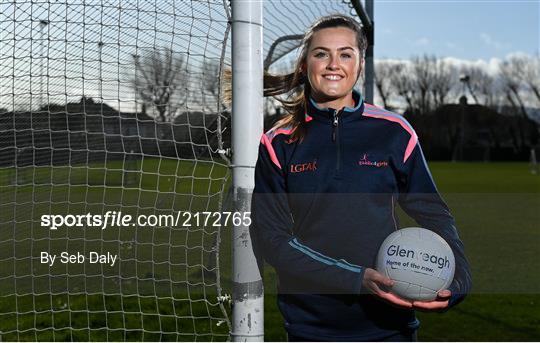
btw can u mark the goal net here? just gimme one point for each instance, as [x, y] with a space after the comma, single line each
[110, 109]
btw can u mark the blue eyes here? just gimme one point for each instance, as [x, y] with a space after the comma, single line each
[324, 54]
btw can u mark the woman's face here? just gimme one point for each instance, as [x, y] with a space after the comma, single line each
[333, 63]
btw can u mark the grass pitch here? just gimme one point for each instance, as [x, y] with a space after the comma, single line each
[165, 286]
[496, 206]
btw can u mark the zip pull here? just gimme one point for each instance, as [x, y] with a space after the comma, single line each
[335, 125]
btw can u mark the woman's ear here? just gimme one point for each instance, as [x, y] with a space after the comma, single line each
[361, 67]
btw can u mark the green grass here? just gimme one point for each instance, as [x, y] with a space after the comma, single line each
[163, 288]
[157, 291]
[496, 206]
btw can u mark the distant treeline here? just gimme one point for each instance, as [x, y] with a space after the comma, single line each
[463, 132]
[500, 129]
[474, 133]
[87, 131]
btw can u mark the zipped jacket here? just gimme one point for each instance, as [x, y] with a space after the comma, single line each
[322, 207]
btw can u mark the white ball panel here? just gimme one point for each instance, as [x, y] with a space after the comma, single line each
[420, 262]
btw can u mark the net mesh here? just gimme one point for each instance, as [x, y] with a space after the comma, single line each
[286, 21]
[113, 107]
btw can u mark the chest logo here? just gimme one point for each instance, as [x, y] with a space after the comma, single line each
[365, 161]
[304, 167]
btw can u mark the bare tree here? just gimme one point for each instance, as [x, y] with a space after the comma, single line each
[212, 101]
[443, 80]
[481, 85]
[415, 83]
[531, 73]
[512, 73]
[424, 70]
[209, 80]
[383, 70]
[402, 83]
[210, 83]
[159, 75]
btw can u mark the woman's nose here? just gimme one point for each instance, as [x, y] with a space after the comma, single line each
[332, 63]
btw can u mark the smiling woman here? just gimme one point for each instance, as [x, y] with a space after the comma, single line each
[327, 180]
[331, 61]
[333, 65]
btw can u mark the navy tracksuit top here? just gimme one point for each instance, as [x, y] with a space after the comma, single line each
[322, 207]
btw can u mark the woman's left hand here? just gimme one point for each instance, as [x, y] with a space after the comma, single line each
[439, 303]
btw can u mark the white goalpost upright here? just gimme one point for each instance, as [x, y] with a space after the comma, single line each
[366, 17]
[247, 126]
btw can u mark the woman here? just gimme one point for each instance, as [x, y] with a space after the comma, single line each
[327, 180]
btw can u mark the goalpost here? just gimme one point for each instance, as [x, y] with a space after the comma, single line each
[248, 66]
[247, 69]
[115, 109]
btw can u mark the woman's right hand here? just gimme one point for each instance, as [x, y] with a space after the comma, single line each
[377, 283]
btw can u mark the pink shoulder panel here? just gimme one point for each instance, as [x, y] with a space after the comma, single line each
[268, 137]
[379, 113]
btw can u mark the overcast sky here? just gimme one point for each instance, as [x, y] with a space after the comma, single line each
[462, 29]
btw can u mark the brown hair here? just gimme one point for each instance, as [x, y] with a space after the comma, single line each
[297, 83]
